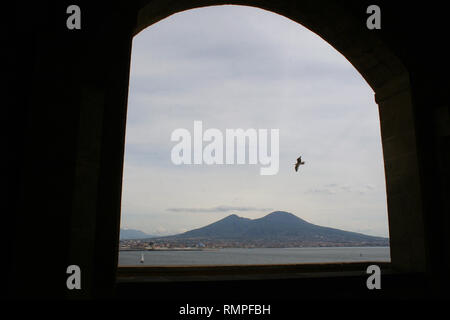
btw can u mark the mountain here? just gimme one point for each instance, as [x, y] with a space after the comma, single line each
[128, 234]
[276, 228]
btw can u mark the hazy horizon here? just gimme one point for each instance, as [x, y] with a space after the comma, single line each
[231, 214]
[242, 67]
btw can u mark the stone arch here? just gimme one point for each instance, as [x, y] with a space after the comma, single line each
[386, 75]
[348, 35]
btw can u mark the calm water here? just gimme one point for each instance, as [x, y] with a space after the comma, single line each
[233, 256]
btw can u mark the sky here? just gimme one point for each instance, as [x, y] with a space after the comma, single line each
[240, 67]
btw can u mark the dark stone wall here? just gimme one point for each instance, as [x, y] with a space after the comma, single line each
[66, 93]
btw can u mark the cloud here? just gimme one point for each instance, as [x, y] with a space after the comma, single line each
[334, 188]
[321, 191]
[222, 208]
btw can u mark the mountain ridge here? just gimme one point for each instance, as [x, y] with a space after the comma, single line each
[278, 227]
[130, 234]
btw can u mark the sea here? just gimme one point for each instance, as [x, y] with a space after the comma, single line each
[246, 256]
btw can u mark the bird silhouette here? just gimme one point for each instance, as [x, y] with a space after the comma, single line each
[299, 162]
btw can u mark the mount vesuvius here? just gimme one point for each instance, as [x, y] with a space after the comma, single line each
[277, 229]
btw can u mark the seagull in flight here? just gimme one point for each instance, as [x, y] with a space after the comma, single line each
[299, 162]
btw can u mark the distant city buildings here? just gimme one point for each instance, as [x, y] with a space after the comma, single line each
[174, 244]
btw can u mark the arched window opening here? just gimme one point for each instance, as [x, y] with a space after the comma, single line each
[189, 198]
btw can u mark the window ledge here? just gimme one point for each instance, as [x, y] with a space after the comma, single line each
[245, 272]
